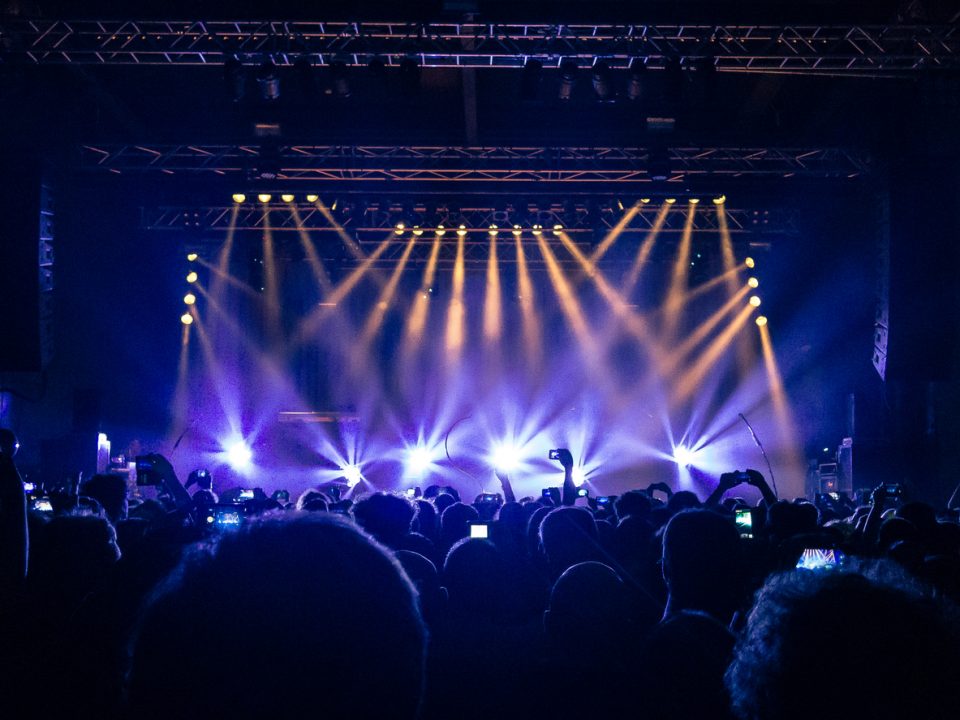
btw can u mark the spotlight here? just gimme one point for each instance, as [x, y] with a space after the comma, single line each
[239, 198]
[579, 476]
[311, 198]
[753, 282]
[517, 230]
[192, 277]
[557, 229]
[493, 229]
[645, 201]
[755, 300]
[398, 228]
[287, 198]
[505, 456]
[441, 230]
[239, 455]
[186, 319]
[683, 457]
[568, 78]
[749, 262]
[602, 81]
[719, 199]
[694, 201]
[636, 81]
[352, 474]
[191, 257]
[419, 460]
[671, 201]
[462, 230]
[268, 80]
[761, 320]
[190, 299]
[417, 230]
[264, 197]
[538, 229]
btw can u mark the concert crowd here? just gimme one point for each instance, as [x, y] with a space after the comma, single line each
[349, 602]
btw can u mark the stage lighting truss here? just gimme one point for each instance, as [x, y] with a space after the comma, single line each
[887, 50]
[360, 165]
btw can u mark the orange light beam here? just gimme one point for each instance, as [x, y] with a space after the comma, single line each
[346, 238]
[222, 277]
[320, 273]
[745, 352]
[528, 311]
[673, 306]
[417, 319]
[456, 313]
[690, 381]
[375, 319]
[613, 234]
[492, 300]
[271, 280]
[222, 268]
[678, 353]
[643, 252]
[781, 405]
[181, 392]
[226, 395]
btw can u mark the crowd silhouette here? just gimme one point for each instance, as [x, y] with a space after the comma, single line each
[342, 603]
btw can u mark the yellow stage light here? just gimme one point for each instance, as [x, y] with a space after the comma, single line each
[191, 257]
[186, 318]
[287, 197]
[694, 201]
[755, 300]
[239, 197]
[441, 230]
[191, 277]
[462, 230]
[264, 197]
[761, 320]
[645, 201]
[719, 199]
[493, 230]
[417, 230]
[753, 282]
[671, 201]
[517, 230]
[398, 228]
[557, 229]
[312, 198]
[749, 262]
[537, 229]
[190, 298]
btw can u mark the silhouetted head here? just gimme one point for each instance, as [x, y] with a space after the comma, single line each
[787, 519]
[386, 517]
[901, 654]
[701, 563]
[682, 500]
[282, 604]
[474, 576]
[455, 523]
[442, 502]
[426, 522]
[8, 442]
[111, 492]
[423, 574]
[569, 536]
[72, 555]
[633, 503]
[312, 499]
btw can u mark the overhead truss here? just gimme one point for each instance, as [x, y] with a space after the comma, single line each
[403, 164]
[849, 49]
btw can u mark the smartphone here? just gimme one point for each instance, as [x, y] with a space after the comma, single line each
[893, 490]
[582, 492]
[411, 492]
[554, 455]
[744, 519]
[603, 500]
[834, 495]
[246, 494]
[42, 505]
[820, 559]
[147, 472]
[480, 530]
[225, 516]
[29, 487]
[742, 476]
[489, 498]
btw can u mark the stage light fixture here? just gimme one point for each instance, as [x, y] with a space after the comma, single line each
[264, 197]
[462, 230]
[191, 257]
[493, 229]
[339, 80]
[417, 230]
[311, 198]
[352, 474]
[239, 455]
[670, 201]
[557, 229]
[568, 78]
[287, 198]
[190, 299]
[753, 282]
[239, 198]
[645, 201]
[186, 318]
[517, 230]
[441, 230]
[694, 201]
[538, 229]
[636, 80]
[761, 320]
[683, 456]
[399, 228]
[268, 80]
[505, 456]
[719, 199]
[749, 262]
[419, 460]
[602, 81]
[192, 277]
[755, 300]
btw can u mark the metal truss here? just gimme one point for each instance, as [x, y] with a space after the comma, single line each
[374, 224]
[402, 164]
[860, 50]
